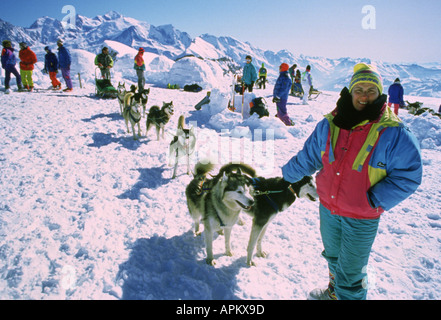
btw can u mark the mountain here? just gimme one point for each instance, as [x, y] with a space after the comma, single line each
[91, 34]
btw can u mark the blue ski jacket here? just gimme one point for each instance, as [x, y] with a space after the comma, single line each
[396, 93]
[282, 86]
[363, 171]
[249, 73]
[64, 59]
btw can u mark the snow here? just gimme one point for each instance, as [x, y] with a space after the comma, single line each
[86, 212]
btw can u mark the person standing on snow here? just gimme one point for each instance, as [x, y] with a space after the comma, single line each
[292, 74]
[262, 76]
[140, 68]
[306, 83]
[51, 67]
[249, 75]
[396, 93]
[369, 162]
[105, 62]
[281, 92]
[27, 60]
[8, 63]
[64, 62]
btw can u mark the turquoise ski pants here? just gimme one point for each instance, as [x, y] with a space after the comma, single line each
[347, 244]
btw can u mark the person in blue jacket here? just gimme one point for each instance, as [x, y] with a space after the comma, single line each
[64, 62]
[281, 92]
[396, 93]
[8, 63]
[249, 75]
[368, 162]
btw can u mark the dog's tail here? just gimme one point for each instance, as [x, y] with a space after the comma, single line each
[181, 122]
[128, 98]
[202, 168]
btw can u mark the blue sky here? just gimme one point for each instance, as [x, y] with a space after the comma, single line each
[405, 30]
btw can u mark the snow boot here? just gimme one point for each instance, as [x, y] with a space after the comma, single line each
[7, 91]
[322, 294]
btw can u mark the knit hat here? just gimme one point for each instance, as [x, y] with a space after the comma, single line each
[141, 50]
[364, 73]
[284, 67]
[6, 43]
[47, 48]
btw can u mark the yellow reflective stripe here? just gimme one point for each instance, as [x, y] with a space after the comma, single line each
[376, 175]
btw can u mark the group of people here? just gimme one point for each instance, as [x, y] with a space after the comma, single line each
[285, 84]
[291, 80]
[28, 58]
[105, 62]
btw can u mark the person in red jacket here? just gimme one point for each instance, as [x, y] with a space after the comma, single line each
[27, 60]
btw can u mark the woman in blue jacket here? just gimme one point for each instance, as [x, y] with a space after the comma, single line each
[368, 162]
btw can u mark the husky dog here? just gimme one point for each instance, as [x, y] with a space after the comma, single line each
[273, 195]
[159, 118]
[131, 114]
[218, 201]
[141, 97]
[121, 94]
[182, 145]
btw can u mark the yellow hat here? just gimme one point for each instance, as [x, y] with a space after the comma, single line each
[364, 73]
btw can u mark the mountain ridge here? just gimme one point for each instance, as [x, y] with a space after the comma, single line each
[90, 34]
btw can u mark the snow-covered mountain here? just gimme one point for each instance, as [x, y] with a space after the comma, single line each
[211, 53]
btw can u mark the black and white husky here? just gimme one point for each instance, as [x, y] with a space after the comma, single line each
[131, 114]
[273, 195]
[218, 201]
[159, 117]
[182, 145]
[121, 93]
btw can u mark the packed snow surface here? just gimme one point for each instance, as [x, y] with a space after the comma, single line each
[86, 212]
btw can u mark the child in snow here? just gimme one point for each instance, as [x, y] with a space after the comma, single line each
[27, 61]
[140, 68]
[369, 162]
[281, 92]
[51, 67]
[64, 62]
[8, 63]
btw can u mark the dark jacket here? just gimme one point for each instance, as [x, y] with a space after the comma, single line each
[50, 62]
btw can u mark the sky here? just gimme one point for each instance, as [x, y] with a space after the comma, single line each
[387, 30]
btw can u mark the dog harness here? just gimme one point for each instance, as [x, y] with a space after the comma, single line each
[268, 198]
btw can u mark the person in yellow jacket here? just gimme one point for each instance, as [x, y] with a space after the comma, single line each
[262, 76]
